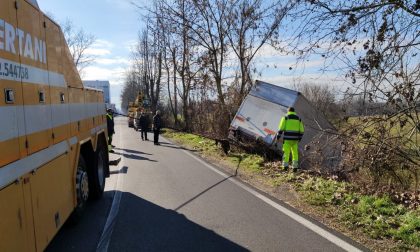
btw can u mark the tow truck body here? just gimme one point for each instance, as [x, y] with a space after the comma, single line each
[52, 130]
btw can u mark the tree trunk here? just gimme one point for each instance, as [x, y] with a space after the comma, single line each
[175, 90]
[169, 95]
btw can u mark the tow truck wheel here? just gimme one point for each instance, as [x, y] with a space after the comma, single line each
[82, 190]
[98, 173]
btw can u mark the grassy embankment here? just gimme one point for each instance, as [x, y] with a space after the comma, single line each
[375, 216]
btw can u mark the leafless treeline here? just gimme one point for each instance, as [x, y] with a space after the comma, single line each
[195, 60]
[201, 54]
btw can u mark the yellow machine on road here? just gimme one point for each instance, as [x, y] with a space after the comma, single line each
[141, 104]
[131, 114]
[53, 151]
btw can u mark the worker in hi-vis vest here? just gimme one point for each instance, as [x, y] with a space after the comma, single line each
[291, 127]
[110, 126]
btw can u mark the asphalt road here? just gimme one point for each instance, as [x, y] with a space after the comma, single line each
[163, 198]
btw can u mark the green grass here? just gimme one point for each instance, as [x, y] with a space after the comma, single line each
[380, 218]
[377, 216]
[207, 147]
[322, 192]
[392, 125]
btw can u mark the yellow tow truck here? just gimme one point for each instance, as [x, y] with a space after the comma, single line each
[53, 137]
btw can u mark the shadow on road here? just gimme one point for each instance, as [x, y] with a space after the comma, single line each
[85, 234]
[211, 187]
[132, 151]
[169, 145]
[144, 226]
[201, 193]
[140, 226]
[123, 170]
[165, 143]
[135, 157]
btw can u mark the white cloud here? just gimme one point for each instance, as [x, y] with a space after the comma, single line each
[114, 75]
[267, 51]
[112, 61]
[322, 79]
[98, 52]
[100, 48]
[130, 44]
[108, 65]
[101, 43]
[286, 62]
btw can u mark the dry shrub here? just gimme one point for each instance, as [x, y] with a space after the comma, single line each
[371, 153]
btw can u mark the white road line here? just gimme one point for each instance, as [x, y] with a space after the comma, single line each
[307, 223]
[105, 239]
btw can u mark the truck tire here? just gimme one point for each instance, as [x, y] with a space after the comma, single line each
[82, 190]
[98, 172]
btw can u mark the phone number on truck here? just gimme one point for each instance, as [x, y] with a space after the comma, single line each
[14, 71]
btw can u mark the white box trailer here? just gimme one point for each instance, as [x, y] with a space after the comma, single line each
[260, 113]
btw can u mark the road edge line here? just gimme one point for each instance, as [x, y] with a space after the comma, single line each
[105, 239]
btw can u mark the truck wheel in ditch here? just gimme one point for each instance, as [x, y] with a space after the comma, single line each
[98, 173]
[82, 190]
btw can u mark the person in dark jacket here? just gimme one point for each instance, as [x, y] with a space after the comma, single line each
[110, 126]
[143, 122]
[157, 124]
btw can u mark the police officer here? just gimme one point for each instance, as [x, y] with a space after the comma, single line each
[291, 127]
[144, 124]
[110, 126]
[157, 124]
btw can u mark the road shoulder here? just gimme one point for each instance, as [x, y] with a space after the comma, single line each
[284, 201]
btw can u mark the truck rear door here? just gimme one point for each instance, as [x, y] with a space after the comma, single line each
[58, 89]
[36, 90]
[258, 118]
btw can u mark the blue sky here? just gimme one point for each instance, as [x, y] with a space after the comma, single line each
[115, 24]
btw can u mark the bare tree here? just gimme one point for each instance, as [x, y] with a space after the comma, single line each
[375, 44]
[79, 41]
[148, 59]
[132, 86]
[253, 23]
[180, 50]
[207, 29]
[199, 35]
[323, 97]
[170, 67]
[181, 57]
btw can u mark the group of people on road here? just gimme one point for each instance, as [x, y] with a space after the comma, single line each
[143, 123]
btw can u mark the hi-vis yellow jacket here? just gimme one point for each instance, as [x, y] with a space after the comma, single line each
[291, 126]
